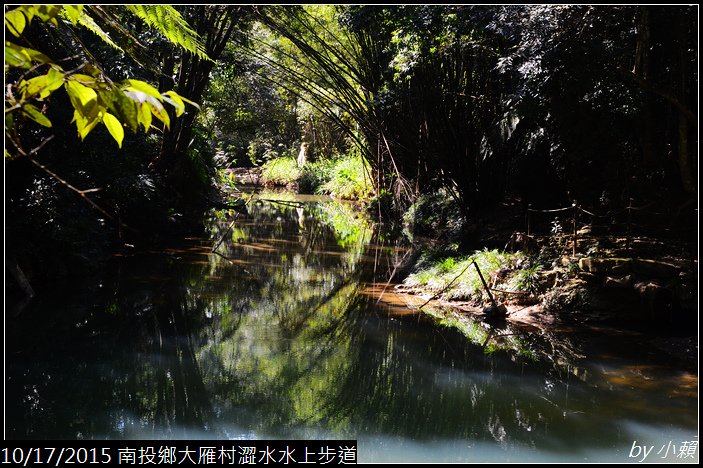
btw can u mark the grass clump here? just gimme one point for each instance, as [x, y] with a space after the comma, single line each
[348, 179]
[526, 279]
[435, 274]
[345, 177]
[280, 171]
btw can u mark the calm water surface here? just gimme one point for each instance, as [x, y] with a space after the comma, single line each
[275, 336]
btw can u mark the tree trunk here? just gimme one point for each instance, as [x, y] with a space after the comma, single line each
[641, 69]
[688, 180]
[215, 25]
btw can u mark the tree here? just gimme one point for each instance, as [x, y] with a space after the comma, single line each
[94, 96]
[215, 24]
[53, 74]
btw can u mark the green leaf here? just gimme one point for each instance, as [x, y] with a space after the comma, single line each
[15, 21]
[55, 74]
[73, 13]
[171, 24]
[84, 124]
[114, 127]
[36, 115]
[29, 11]
[23, 57]
[42, 85]
[48, 12]
[192, 103]
[157, 109]
[160, 113]
[83, 79]
[29, 88]
[137, 85]
[123, 107]
[177, 103]
[85, 20]
[145, 116]
[87, 110]
[81, 96]
[15, 58]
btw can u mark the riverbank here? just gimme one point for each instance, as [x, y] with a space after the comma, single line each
[645, 284]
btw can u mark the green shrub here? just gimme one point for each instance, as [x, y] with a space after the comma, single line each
[527, 279]
[314, 175]
[280, 171]
[348, 179]
[432, 213]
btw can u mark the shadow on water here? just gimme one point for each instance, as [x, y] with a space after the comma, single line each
[272, 336]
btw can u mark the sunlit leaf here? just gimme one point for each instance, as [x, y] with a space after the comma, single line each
[145, 116]
[15, 58]
[171, 24]
[73, 12]
[137, 85]
[48, 12]
[114, 127]
[192, 103]
[123, 108]
[29, 88]
[85, 20]
[83, 79]
[160, 113]
[36, 115]
[15, 21]
[80, 95]
[84, 124]
[54, 80]
[179, 106]
[23, 57]
[42, 85]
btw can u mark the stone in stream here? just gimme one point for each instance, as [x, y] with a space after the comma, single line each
[492, 312]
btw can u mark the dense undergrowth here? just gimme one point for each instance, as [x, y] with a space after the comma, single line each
[344, 177]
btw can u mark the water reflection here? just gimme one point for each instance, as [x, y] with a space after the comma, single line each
[273, 336]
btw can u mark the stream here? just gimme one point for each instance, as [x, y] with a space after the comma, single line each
[277, 336]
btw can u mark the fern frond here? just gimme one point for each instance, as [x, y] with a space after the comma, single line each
[171, 24]
[85, 20]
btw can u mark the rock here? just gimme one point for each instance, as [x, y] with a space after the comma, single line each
[654, 268]
[550, 277]
[654, 297]
[622, 266]
[606, 265]
[621, 282]
[495, 313]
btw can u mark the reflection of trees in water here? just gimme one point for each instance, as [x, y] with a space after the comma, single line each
[393, 385]
[288, 339]
[329, 361]
[272, 337]
[120, 361]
